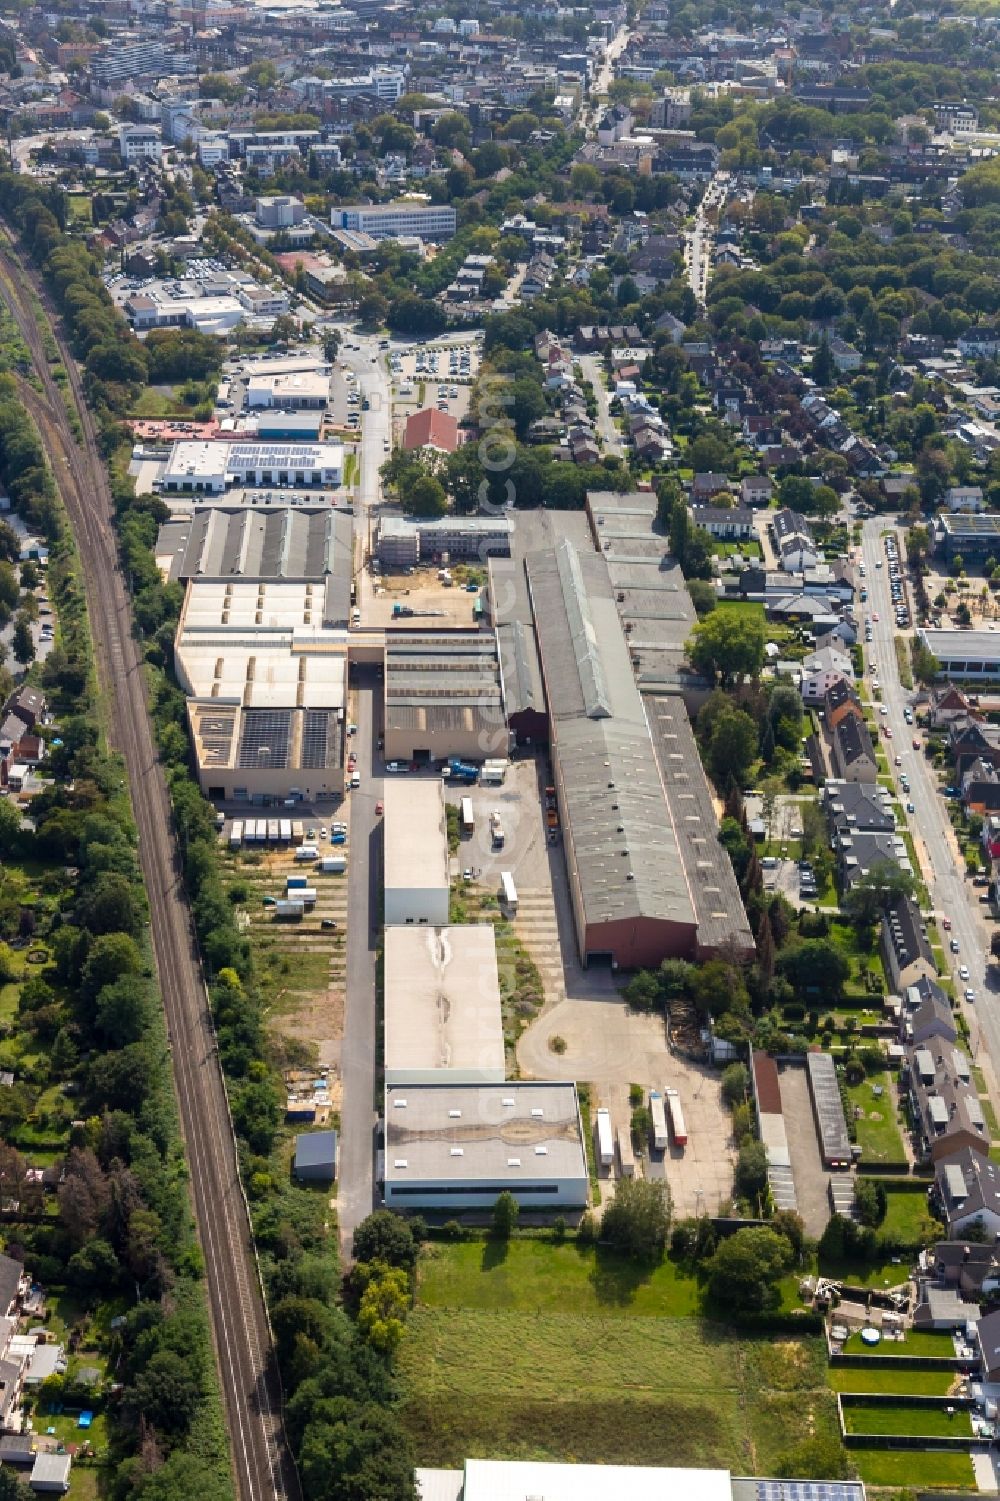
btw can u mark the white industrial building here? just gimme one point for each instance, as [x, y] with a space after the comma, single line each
[289, 392]
[443, 1022]
[391, 221]
[416, 852]
[514, 1479]
[209, 468]
[459, 1146]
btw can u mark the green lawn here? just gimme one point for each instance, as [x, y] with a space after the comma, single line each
[846, 939]
[930, 1468]
[852, 1378]
[544, 1350]
[153, 403]
[901, 1418]
[537, 1276]
[748, 607]
[79, 208]
[605, 1389]
[875, 1120]
[908, 1217]
[917, 1342]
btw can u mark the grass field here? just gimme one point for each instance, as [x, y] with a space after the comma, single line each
[548, 1351]
[618, 1390]
[927, 1422]
[877, 1131]
[534, 1276]
[852, 1378]
[894, 1467]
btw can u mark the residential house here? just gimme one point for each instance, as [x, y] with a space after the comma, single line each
[967, 1190]
[13, 1285]
[756, 489]
[968, 741]
[980, 788]
[794, 541]
[971, 1267]
[853, 755]
[905, 947]
[704, 486]
[845, 357]
[991, 836]
[945, 1108]
[942, 1309]
[725, 523]
[964, 498]
[842, 702]
[817, 682]
[926, 1018]
[988, 1340]
[947, 704]
[860, 853]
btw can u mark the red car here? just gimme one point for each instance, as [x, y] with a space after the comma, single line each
[379, 808]
[916, 743]
[946, 923]
[887, 731]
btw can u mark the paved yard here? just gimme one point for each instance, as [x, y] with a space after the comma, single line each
[811, 1177]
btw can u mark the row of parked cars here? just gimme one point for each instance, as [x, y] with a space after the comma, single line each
[897, 588]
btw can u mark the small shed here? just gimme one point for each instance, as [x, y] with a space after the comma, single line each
[50, 1472]
[17, 1449]
[316, 1157]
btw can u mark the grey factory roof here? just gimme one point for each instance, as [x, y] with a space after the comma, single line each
[620, 835]
[442, 1002]
[445, 681]
[251, 543]
[719, 907]
[482, 1132]
[520, 669]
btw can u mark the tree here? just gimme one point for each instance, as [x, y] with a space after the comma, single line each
[425, 496]
[744, 1270]
[874, 892]
[751, 1172]
[11, 835]
[814, 966]
[870, 1202]
[637, 1221]
[22, 642]
[735, 1084]
[355, 1452]
[387, 1237]
[823, 369]
[727, 645]
[505, 1213]
[733, 746]
[703, 596]
[167, 1393]
[709, 454]
[383, 1306]
[995, 943]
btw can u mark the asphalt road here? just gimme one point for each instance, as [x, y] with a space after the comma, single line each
[240, 1327]
[700, 239]
[355, 1169]
[952, 893]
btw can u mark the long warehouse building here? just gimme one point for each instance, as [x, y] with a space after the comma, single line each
[631, 896]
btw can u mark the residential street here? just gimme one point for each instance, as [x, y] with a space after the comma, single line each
[593, 370]
[952, 894]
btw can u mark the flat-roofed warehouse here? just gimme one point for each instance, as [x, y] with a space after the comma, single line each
[442, 1006]
[265, 674]
[459, 1147]
[442, 697]
[415, 835]
[210, 467]
[631, 897]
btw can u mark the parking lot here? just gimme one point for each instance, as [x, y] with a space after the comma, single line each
[598, 1041]
[437, 374]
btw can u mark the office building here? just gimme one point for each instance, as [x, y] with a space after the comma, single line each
[390, 221]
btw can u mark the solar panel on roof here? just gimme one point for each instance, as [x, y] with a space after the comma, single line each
[264, 738]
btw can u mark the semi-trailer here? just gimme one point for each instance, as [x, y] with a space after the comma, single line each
[605, 1140]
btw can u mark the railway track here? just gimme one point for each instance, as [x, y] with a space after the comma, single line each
[244, 1350]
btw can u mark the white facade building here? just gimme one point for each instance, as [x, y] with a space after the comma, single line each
[416, 853]
[390, 221]
[459, 1146]
[209, 468]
